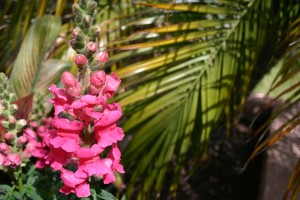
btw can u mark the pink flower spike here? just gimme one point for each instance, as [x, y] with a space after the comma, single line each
[81, 60]
[102, 56]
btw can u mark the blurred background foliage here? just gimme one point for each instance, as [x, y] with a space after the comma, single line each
[186, 66]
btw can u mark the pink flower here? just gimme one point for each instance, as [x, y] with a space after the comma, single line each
[84, 108]
[56, 158]
[71, 84]
[112, 84]
[111, 114]
[61, 101]
[113, 161]
[108, 136]
[67, 134]
[102, 56]
[90, 162]
[73, 184]
[12, 160]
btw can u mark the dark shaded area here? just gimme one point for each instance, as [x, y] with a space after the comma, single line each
[221, 175]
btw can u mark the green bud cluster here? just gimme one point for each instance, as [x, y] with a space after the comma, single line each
[38, 110]
[7, 108]
[85, 32]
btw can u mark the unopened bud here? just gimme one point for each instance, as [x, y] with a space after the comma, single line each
[13, 108]
[83, 3]
[78, 34]
[5, 124]
[98, 78]
[80, 60]
[9, 136]
[77, 10]
[87, 21]
[4, 148]
[92, 47]
[68, 79]
[22, 139]
[102, 56]
[72, 44]
[94, 31]
[91, 6]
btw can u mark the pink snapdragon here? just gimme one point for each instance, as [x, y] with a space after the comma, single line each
[89, 129]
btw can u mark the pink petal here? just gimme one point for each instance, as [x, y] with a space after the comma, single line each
[69, 179]
[88, 152]
[70, 145]
[83, 190]
[108, 178]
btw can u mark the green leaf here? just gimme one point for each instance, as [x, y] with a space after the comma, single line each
[27, 75]
[106, 195]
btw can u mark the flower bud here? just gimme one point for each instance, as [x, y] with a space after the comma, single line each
[92, 47]
[5, 124]
[72, 41]
[94, 31]
[77, 10]
[9, 136]
[13, 108]
[78, 44]
[102, 56]
[4, 148]
[83, 3]
[78, 34]
[91, 6]
[71, 84]
[68, 79]
[87, 21]
[81, 60]
[98, 78]
[22, 139]
[78, 20]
